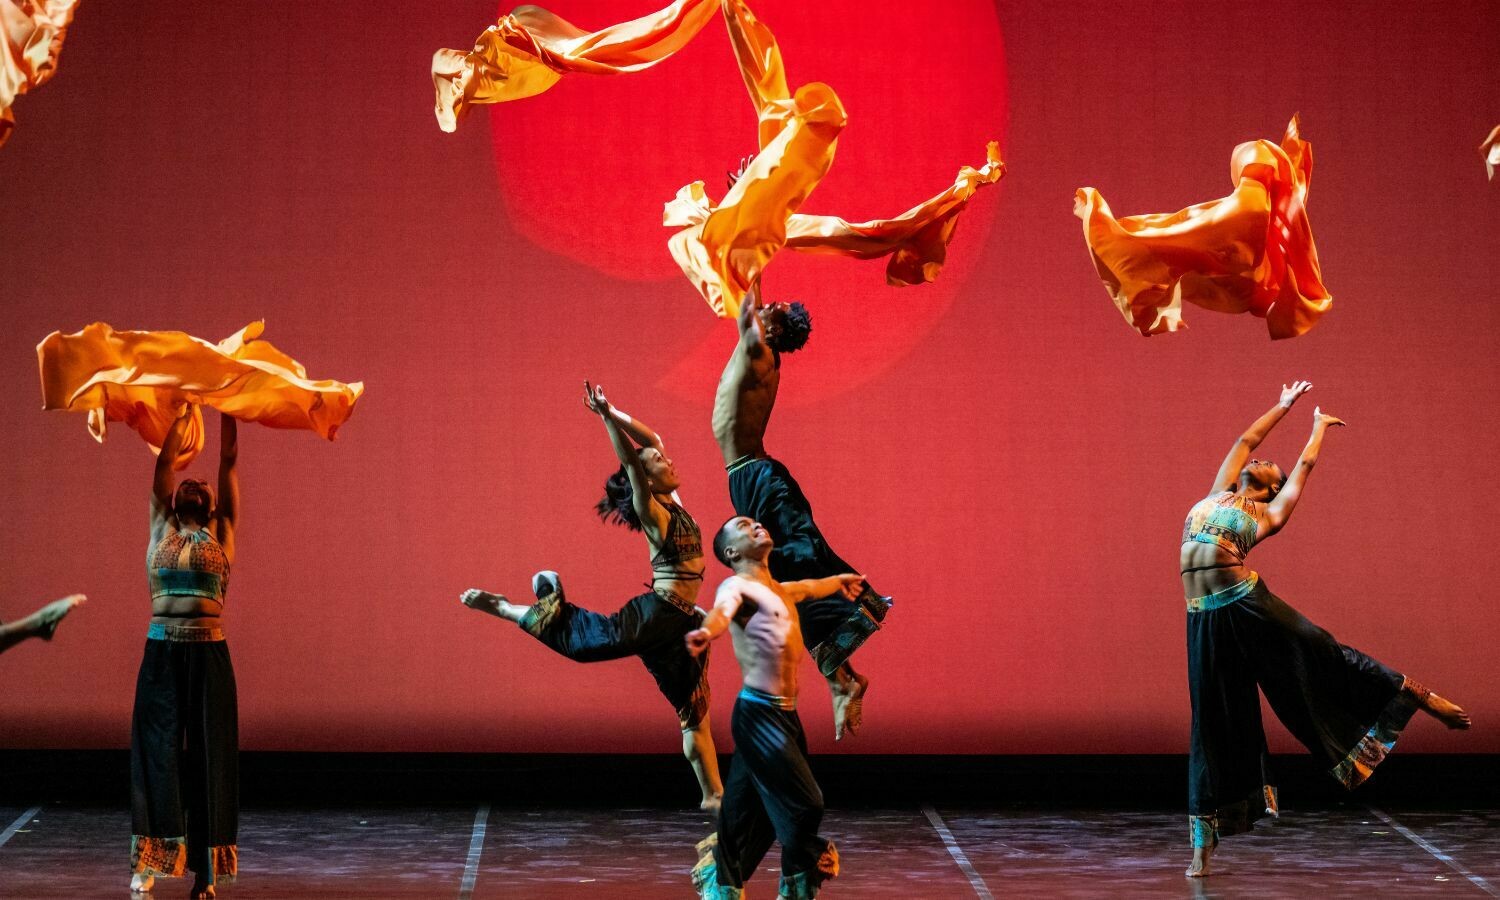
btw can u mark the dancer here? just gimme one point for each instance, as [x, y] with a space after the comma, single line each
[1345, 707]
[642, 496]
[762, 489]
[771, 793]
[40, 624]
[184, 735]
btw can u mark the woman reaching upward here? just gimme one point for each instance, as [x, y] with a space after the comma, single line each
[1345, 707]
[642, 496]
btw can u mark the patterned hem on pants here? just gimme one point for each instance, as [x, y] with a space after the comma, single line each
[167, 857]
[1360, 762]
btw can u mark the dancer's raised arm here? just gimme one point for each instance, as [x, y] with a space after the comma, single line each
[621, 435]
[752, 329]
[1245, 444]
[848, 584]
[1280, 509]
[163, 482]
[229, 484]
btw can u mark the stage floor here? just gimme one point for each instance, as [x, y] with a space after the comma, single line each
[67, 850]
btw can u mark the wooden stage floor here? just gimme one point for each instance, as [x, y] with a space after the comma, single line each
[459, 851]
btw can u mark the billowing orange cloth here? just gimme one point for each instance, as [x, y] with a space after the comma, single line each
[1490, 150]
[722, 250]
[1249, 252]
[32, 31]
[142, 378]
[528, 51]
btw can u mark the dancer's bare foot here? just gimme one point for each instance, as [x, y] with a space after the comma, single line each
[1199, 868]
[141, 883]
[849, 689]
[494, 604]
[202, 891]
[1446, 711]
[712, 803]
[43, 623]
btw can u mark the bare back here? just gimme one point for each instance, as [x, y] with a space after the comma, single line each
[767, 636]
[743, 402]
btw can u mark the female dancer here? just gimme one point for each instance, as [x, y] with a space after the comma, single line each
[1345, 707]
[642, 496]
[184, 735]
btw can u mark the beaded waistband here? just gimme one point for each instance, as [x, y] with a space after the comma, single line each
[1234, 592]
[754, 696]
[183, 634]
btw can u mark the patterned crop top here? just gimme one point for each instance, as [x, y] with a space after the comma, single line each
[1225, 519]
[188, 565]
[682, 543]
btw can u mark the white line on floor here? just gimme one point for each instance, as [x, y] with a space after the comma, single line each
[957, 853]
[16, 825]
[1452, 863]
[476, 848]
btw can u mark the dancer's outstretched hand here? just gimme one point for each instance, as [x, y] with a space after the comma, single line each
[697, 641]
[851, 586]
[1322, 418]
[1289, 395]
[733, 178]
[594, 399]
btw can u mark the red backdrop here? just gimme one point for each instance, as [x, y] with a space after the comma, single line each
[998, 450]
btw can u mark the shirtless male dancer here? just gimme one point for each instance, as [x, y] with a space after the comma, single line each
[764, 491]
[771, 794]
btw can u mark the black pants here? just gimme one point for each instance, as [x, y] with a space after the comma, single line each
[184, 761]
[771, 795]
[1344, 706]
[832, 627]
[648, 626]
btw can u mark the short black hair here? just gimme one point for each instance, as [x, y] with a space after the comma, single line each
[618, 505]
[796, 325]
[721, 542]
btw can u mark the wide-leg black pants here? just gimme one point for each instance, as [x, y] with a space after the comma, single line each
[648, 626]
[1345, 707]
[832, 627]
[771, 796]
[184, 761]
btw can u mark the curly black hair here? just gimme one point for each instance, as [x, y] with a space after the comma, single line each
[618, 506]
[796, 325]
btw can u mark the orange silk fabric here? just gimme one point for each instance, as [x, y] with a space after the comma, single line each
[722, 250]
[528, 51]
[1249, 252]
[1490, 150]
[142, 378]
[33, 32]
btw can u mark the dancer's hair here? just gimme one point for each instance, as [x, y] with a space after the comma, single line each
[721, 542]
[796, 325]
[617, 507]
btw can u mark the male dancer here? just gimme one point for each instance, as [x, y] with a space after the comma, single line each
[763, 490]
[771, 794]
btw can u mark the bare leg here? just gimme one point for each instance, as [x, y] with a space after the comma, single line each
[848, 688]
[1445, 711]
[494, 604]
[40, 624]
[1199, 868]
[698, 747]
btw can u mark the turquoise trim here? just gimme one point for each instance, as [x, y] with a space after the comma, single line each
[1225, 597]
[751, 695]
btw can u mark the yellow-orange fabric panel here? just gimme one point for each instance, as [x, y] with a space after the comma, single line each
[1251, 251]
[723, 249]
[33, 32]
[142, 378]
[528, 51]
[1490, 150]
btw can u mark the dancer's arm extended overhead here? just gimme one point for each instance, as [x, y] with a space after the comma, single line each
[229, 484]
[1245, 444]
[163, 481]
[1280, 509]
[625, 433]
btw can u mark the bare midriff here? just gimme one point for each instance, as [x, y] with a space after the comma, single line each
[174, 609]
[1216, 569]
